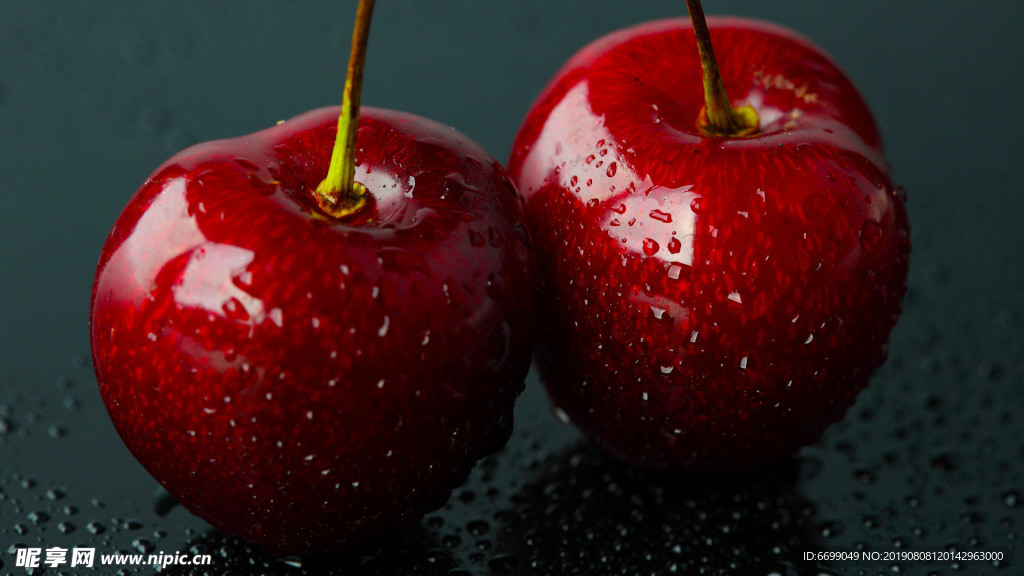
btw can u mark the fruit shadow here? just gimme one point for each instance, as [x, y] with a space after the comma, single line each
[412, 551]
[589, 514]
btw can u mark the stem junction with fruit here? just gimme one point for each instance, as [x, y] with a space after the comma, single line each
[339, 195]
[718, 117]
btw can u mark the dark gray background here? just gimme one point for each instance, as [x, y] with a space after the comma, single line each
[94, 95]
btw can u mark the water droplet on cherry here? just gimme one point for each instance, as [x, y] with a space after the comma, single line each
[870, 236]
[476, 239]
[661, 216]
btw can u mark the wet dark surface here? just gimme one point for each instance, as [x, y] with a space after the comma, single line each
[93, 97]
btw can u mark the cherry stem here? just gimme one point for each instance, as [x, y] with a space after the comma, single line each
[339, 195]
[718, 116]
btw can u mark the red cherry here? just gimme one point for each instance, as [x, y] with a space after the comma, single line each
[710, 299]
[304, 381]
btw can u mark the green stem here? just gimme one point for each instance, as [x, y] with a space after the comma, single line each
[718, 116]
[339, 195]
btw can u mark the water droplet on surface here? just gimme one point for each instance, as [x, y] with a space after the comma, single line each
[495, 286]
[870, 236]
[650, 247]
[38, 517]
[865, 476]
[494, 236]
[831, 529]
[816, 207]
[477, 527]
[502, 563]
[476, 238]
[661, 216]
[142, 545]
[945, 462]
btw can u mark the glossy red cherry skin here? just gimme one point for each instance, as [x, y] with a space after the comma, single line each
[303, 383]
[708, 302]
